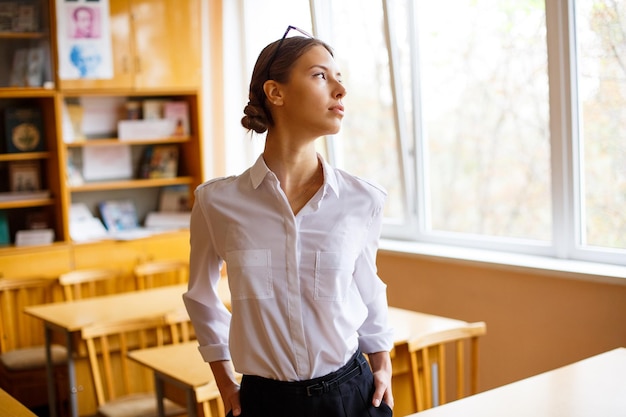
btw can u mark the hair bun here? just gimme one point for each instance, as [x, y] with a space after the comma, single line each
[255, 118]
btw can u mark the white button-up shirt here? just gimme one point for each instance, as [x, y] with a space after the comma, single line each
[305, 292]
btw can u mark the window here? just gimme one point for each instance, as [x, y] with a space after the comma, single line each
[492, 124]
[467, 109]
[601, 109]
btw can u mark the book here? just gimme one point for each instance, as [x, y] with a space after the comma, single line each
[34, 67]
[36, 220]
[107, 162]
[34, 237]
[145, 129]
[178, 112]
[153, 109]
[174, 198]
[19, 68]
[73, 113]
[7, 14]
[6, 197]
[159, 161]
[26, 17]
[119, 215]
[83, 225]
[24, 176]
[23, 129]
[5, 237]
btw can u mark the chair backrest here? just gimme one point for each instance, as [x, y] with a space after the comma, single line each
[87, 283]
[18, 330]
[429, 364]
[113, 373]
[180, 326]
[159, 273]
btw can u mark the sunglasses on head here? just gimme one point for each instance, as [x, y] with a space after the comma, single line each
[280, 43]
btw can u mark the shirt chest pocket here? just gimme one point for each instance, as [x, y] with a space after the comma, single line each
[333, 275]
[250, 274]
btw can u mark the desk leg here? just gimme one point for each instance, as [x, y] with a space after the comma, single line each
[52, 398]
[71, 375]
[158, 390]
[192, 404]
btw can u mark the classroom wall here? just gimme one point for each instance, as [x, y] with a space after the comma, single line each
[535, 322]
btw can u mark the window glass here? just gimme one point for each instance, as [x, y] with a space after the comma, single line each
[601, 77]
[367, 144]
[485, 117]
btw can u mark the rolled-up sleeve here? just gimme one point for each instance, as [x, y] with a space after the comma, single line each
[375, 334]
[209, 315]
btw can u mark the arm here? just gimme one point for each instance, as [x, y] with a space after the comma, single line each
[375, 335]
[227, 385]
[381, 368]
[210, 318]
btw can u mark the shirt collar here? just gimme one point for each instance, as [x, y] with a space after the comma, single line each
[259, 170]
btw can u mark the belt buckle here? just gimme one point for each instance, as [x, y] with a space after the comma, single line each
[320, 388]
[309, 392]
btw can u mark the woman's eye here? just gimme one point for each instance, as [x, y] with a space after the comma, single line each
[321, 75]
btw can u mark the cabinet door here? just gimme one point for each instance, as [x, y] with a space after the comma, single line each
[122, 52]
[167, 43]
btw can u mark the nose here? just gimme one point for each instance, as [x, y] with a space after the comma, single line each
[340, 91]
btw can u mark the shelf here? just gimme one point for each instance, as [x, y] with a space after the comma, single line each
[26, 92]
[25, 156]
[129, 184]
[23, 35]
[152, 92]
[26, 203]
[25, 199]
[117, 142]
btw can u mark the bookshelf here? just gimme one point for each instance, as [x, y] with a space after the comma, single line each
[56, 161]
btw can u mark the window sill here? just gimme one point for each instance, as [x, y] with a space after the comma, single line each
[563, 268]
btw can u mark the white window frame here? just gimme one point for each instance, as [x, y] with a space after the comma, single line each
[567, 218]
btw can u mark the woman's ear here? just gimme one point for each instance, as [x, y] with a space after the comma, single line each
[273, 92]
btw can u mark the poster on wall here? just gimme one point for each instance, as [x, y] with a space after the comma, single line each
[84, 39]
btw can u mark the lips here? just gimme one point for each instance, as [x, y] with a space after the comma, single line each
[337, 109]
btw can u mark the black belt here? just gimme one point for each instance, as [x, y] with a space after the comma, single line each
[312, 387]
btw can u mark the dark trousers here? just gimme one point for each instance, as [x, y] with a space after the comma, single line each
[346, 392]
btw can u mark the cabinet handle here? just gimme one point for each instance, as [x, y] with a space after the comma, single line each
[125, 64]
[137, 64]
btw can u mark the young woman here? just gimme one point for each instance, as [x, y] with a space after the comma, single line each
[300, 240]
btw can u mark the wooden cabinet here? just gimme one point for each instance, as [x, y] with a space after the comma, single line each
[156, 46]
[30, 185]
[25, 39]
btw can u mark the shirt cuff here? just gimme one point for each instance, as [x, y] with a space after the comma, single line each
[382, 342]
[213, 353]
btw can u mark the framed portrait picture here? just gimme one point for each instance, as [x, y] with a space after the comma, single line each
[24, 176]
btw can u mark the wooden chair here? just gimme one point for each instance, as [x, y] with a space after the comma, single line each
[22, 350]
[430, 350]
[119, 393]
[159, 273]
[180, 326]
[87, 283]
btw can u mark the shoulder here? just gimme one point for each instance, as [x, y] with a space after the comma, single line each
[219, 188]
[216, 183]
[353, 183]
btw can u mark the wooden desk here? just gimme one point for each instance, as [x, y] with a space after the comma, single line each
[183, 367]
[592, 387]
[70, 317]
[10, 407]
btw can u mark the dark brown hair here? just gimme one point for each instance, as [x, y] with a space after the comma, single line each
[257, 115]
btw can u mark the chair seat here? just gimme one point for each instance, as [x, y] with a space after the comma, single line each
[139, 405]
[32, 357]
